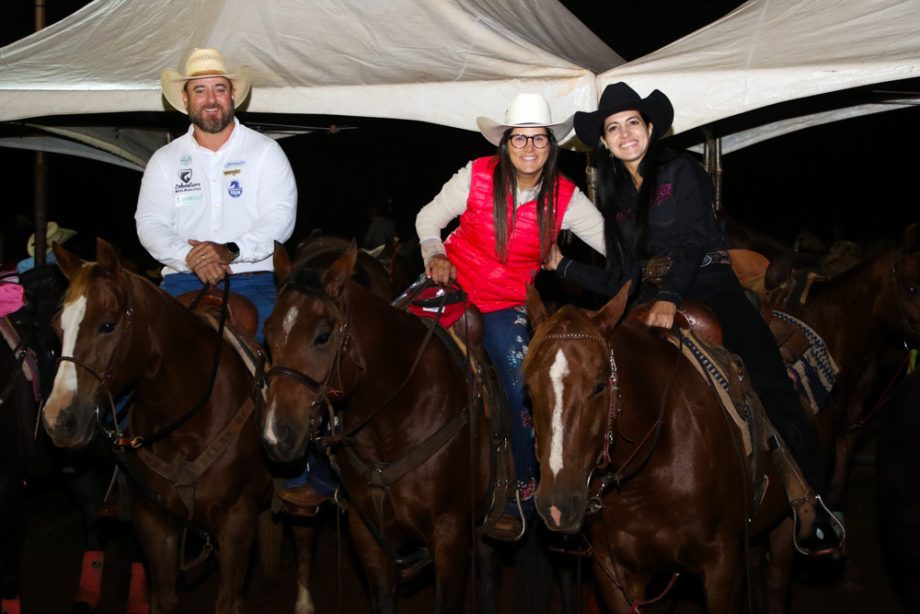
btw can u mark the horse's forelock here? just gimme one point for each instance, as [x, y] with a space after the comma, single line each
[78, 284]
[567, 320]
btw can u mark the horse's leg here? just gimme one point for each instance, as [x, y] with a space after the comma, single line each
[849, 406]
[379, 569]
[236, 533]
[159, 539]
[450, 558]
[489, 575]
[304, 543]
[779, 568]
[721, 579]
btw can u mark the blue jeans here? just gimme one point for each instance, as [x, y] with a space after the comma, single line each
[505, 342]
[257, 287]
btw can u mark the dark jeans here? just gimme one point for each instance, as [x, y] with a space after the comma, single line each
[505, 342]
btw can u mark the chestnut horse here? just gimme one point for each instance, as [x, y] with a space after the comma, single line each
[626, 426]
[404, 424]
[855, 314]
[197, 461]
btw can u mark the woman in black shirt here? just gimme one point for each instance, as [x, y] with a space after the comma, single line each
[661, 233]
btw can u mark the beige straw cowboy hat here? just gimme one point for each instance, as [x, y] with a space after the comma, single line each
[204, 63]
[53, 234]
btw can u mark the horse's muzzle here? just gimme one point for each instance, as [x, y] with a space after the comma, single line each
[564, 513]
[70, 429]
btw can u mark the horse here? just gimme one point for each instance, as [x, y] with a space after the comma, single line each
[18, 408]
[897, 473]
[410, 445]
[319, 251]
[626, 427]
[856, 313]
[195, 463]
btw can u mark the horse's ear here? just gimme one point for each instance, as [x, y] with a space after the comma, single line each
[607, 317]
[281, 261]
[536, 310]
[106, 255]
[339, 273]
[68, 262]
[909, 239]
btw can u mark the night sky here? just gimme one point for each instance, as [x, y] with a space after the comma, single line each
[849, 176]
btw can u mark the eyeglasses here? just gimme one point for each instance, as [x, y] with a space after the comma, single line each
[519, 141]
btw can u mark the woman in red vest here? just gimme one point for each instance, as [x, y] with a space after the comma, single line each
[511, 206]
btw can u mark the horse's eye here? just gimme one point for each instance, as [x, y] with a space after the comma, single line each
[599, 388]
[322, 338]
[106, 327]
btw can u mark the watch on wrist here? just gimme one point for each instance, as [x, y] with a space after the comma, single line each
[234, 250]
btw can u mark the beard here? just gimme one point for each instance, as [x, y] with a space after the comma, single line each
[210, 123]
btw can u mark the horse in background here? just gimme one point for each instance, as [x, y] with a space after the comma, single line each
[195, 461]
[18, 408]
[626, 428]
[27, 457]
[319, 251]
[410, 443]
[897, 475]
[856, 314]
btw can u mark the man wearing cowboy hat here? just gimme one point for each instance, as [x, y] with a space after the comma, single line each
[214, 201]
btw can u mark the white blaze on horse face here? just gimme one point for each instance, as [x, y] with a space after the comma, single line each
[269, 434]
[289, 319]
[557, 372]
[65, 381]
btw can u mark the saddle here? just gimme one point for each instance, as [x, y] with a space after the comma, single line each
[462, 332]
[242, 315]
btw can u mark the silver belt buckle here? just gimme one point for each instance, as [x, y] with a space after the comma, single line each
[707, 260]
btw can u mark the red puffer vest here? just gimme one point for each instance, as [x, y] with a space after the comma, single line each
[491, 284]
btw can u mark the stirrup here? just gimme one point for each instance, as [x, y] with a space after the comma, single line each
[508, 536]
[833, 523]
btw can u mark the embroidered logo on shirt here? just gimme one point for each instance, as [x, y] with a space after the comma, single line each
[232, 172]
[664, 193]
[186, 159]
[235, 189]
[185, 175]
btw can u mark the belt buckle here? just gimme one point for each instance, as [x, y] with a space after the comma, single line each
[707, 260]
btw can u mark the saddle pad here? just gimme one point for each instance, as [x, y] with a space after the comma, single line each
[711, 363]
[815, 371]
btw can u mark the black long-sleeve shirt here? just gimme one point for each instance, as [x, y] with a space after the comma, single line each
[681, 226]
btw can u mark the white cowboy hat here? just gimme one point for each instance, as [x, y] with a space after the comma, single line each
[53, 234]
[204, 63]
[525, 111]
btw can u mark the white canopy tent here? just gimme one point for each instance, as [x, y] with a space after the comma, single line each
[439, 61]
[767, 52]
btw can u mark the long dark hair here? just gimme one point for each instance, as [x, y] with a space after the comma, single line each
[617, 195]
[504, 188]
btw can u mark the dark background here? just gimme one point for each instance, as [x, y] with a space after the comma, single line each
[849, 178]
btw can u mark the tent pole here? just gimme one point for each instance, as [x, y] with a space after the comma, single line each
[712, 157]
[40, 207]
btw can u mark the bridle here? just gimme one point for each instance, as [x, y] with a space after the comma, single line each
[901, 297]
[114, 434]
[325, 393]
[613, 478]
[115, 360]
[627, 468]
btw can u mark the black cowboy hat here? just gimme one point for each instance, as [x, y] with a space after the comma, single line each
[619, 97]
